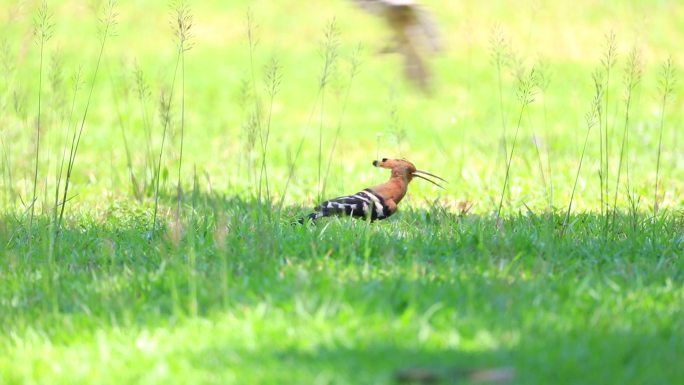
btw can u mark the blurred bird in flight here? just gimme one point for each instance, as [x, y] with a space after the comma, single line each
[415, 35]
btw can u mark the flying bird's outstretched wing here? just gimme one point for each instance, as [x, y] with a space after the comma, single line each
[415, 35]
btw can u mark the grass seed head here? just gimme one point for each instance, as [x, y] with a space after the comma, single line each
[181, 23]
[329, 51]
[610, 52]
[108, 21]
[273, 76]
[633, 69]
[499, 47]
[667, 78]
[43, 25]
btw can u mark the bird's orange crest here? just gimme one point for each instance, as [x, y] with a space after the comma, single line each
[404, 168]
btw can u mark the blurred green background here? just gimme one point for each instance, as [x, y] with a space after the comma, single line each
[455, 132]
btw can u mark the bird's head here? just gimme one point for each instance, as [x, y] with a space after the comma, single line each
[402, 168]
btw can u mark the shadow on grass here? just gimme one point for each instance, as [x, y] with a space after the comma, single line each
[579, 356]
[379, 363]
[240, 238]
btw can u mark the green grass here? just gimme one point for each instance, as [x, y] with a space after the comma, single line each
[229, 291]
[265, 301]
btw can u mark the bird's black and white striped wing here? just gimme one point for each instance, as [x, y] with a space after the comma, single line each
[364, 204]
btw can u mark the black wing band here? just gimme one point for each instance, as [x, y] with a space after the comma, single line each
[363, 204]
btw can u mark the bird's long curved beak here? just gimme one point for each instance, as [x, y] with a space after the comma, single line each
[418, 173]
[432, 175]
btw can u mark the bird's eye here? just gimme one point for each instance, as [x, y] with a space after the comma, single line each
[384, 159]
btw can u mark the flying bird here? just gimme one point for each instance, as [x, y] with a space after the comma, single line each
[414, 32]
[377, 202]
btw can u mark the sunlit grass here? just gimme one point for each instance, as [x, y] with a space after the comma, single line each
[177, 261]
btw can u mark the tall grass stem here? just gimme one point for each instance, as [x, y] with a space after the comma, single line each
[666, 84]
[43, 29]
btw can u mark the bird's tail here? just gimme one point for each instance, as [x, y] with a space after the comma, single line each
[311, 217]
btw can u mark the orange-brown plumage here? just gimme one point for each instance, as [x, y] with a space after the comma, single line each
[377, 202]
[394, 190]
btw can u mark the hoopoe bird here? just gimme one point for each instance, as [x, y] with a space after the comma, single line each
[414, 35]
[378, 202]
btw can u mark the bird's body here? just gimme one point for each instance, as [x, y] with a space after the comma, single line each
[378, 202]
[414, 35]
[363, 204]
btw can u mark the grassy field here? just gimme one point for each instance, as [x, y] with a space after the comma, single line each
[151, 173]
